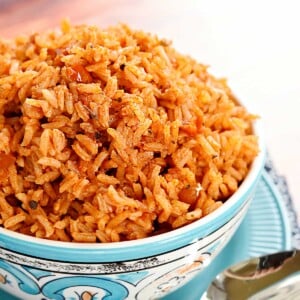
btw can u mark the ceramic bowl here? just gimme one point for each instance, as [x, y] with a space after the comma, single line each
[150, 268]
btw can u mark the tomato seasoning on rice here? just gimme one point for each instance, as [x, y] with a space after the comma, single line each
[112, 135]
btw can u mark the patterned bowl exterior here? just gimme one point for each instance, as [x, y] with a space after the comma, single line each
[32, 268]
[150, 277]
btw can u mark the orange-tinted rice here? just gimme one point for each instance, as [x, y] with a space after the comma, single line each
[112, 135]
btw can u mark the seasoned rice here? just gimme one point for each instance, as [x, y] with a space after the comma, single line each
[112, 135]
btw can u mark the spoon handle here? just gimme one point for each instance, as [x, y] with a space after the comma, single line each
[274, 276]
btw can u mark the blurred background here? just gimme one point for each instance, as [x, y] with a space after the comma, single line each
[255, 44]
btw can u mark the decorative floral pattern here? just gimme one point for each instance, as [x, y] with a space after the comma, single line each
[37, 278]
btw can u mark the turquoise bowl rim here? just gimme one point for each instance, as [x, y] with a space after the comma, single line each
[150, 246]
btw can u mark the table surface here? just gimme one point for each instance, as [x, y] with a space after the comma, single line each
[255, 44]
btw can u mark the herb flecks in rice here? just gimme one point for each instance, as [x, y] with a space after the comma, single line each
[112, 135]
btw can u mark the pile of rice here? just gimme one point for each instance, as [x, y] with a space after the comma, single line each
[112, 135]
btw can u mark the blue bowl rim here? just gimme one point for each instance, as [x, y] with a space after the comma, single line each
[39, 247]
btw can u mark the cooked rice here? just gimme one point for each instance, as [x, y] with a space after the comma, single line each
[112, 135]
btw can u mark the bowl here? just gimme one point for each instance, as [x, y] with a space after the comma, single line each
[149, 268]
